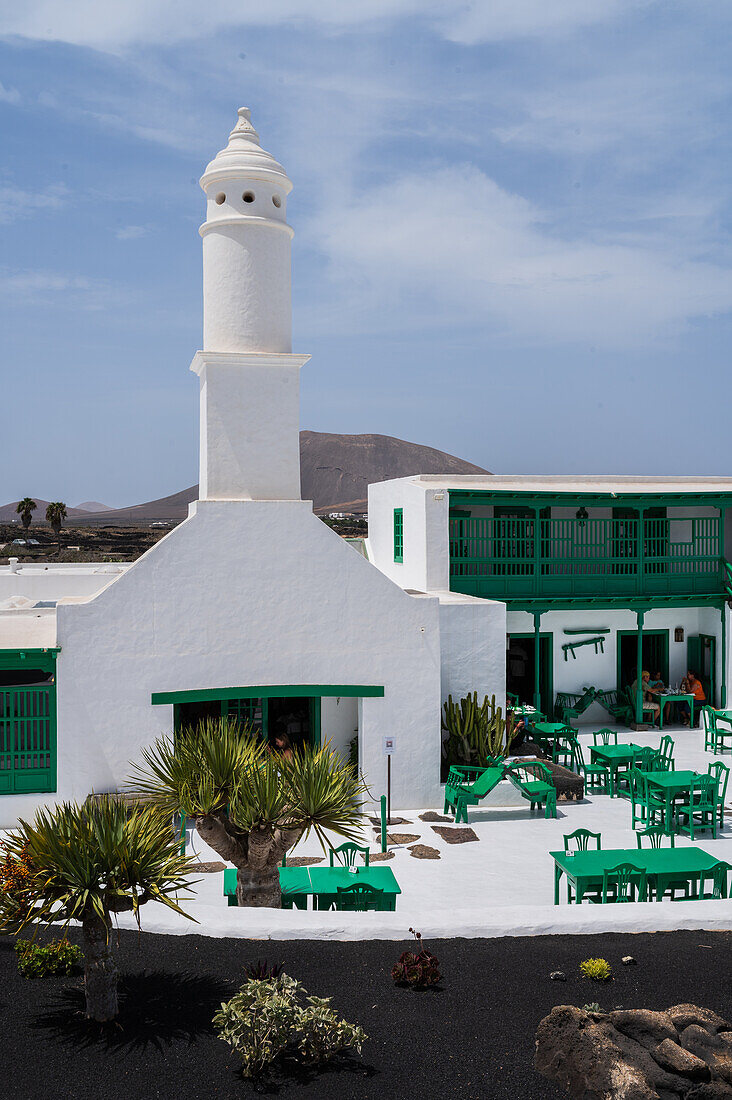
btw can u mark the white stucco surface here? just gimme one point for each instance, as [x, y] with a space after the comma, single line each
[503, 885]
[244, 594]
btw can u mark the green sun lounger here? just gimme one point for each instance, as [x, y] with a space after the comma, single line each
[469, 786]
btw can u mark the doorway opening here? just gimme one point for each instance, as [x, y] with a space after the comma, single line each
[520, 669]
[297, 717]
[655, 655]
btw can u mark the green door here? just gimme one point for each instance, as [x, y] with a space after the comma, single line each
[27, 739]
[701, 654]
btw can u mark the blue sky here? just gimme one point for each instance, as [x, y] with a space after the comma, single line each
[512, 228]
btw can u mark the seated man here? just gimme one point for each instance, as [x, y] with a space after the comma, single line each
[649, 703]
[657, 686]
[691, 685]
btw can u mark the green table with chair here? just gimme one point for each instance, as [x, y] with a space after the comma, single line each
[617, 759]
[364, 888]
[621, 874]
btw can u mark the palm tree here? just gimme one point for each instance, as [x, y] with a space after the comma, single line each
[87, 863]
[55, 515]
[250, 805]
[26, 508]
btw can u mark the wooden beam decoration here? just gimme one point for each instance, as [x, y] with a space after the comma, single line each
[569, 647]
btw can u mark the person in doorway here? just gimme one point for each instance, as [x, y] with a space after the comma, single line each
[649, 703]
[657, 687]
[281, 745]
[519, 727]
[692, 685]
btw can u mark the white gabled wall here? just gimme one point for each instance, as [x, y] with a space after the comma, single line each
[473, 647]
[426, 565]
[245, 594]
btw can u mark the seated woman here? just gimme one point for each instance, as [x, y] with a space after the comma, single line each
[649, 703]
[691, 685]
[656, 686]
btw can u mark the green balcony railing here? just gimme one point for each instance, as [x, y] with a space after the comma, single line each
[520, 558]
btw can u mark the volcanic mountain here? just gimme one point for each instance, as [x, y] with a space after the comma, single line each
[335, 472]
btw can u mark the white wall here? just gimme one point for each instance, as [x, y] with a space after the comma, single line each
[51, 582]
[339, 722]
[244, 594]
[473, 647]
[426, 565]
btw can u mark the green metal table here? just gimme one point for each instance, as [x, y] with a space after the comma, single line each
[584, 870]
[321, 883]
[662, 699]
[294, 883]
[549, 731]
[671, 785]
[529, 713]
[326, 880]
[614, 757]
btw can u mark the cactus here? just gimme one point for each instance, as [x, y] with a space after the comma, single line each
[476, 733]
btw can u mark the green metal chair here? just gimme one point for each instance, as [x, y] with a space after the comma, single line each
[596, 776]
[564, 748]
[700, 812]
[720, 772]
[534, 780]
[359, 898]
[717, 728]
[666, 752]
[605, 737]
[719, 883]
[581, 840]
[655, 836]
[624, 883]
[647, 758]
[569, 706]
[348, 853]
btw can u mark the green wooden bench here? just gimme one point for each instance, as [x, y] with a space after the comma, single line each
[534, 780]
[568, 706]
[467, 786]
[616, 704]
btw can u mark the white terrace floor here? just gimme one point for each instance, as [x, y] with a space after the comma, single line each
[502, 885]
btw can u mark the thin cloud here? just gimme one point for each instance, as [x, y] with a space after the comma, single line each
[16, 203]
[138, 22]
[9, 95]
[452, 247]
[131, 233]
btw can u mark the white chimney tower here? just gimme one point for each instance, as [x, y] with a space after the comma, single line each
[250, 380]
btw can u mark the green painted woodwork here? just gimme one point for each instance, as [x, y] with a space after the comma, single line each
[569, 647]
[269, 691]
[589, 630]
[513, 502]
[523, 554]
[467, 786]
[323, 884]
[585, 870]
[545, 667]
[399, 534]
[534, 782]
[347, 854]
[28, 725]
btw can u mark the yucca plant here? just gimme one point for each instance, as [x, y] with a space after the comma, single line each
[250, 805]
[86, 863]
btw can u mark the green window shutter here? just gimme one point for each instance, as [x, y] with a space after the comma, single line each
[399, 534]
[27, 731]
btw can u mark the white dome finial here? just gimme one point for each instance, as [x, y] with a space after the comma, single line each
[244, 156]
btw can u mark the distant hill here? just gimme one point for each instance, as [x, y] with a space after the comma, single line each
[93, 506]
[335, 472]
[8, 512]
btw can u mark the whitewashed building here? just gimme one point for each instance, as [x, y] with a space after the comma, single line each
[252, 606]
[597, 574]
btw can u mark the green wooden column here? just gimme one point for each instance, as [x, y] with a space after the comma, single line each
[641, 554]
[537, 652]
[640, 615]
[723, 688]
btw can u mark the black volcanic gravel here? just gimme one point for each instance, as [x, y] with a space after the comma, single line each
[474, 1038]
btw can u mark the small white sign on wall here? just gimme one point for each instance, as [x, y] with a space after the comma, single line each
[389, 745]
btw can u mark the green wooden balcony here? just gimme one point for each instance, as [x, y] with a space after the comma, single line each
[502, 558]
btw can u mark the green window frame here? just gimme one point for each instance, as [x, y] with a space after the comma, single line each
[399, 535]
[28, 725]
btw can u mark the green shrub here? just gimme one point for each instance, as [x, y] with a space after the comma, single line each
[266, 1017]
[596, 969]
[37, 961]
